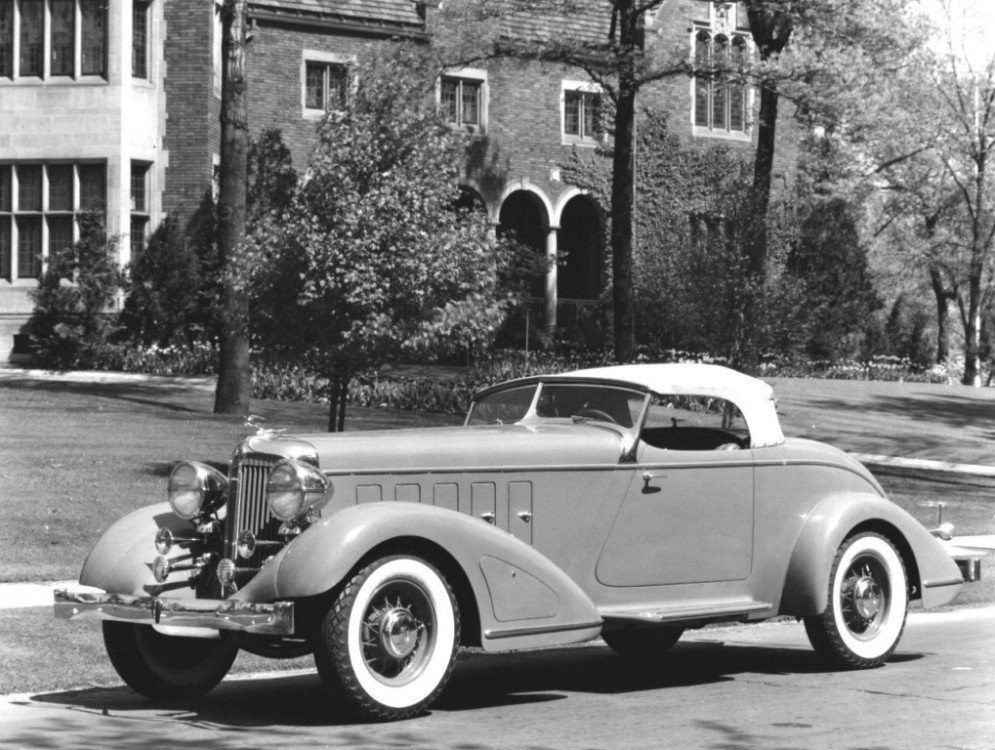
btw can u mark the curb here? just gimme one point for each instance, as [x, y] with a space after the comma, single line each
[919, 468]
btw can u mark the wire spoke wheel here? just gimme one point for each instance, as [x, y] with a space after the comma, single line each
[867, 606]
[388, 645]
[398, 632]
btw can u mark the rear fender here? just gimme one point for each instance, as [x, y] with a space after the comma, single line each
[837, 517]
[522, 598]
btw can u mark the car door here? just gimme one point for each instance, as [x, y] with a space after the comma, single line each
[687, 515]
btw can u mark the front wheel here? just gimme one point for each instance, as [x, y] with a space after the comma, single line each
[164, 667]
[388, 644]
[868, 602]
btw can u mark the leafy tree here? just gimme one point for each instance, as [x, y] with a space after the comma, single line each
[72, 302]
[830, 261]
[164, 303]
[372, 259]
[933, 158]
[907, 331]
[271, 179]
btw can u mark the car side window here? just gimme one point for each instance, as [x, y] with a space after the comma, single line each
[601, 403]
[694, 423]
[502, 407]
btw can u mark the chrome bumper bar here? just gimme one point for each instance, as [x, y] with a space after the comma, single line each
[220, 614]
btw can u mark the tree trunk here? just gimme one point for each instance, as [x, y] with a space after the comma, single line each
[233, 389]
[943, 297]
[623, 193]
[972, 334]
[338, 394]
[771, 29]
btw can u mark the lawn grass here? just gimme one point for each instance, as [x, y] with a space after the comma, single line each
[76, 456]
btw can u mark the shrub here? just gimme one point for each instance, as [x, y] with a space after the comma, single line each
[165, 304]
[71, 318]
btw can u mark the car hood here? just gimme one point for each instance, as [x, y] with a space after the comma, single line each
[444, 448]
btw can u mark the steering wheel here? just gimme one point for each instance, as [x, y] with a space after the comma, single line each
[596, 414]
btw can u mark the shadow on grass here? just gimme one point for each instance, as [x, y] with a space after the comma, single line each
[186, 400]
[928, 409]
[165, 396]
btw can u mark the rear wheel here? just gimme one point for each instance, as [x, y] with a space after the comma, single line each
[165, 667]
[639, 644]
[868, 603]
[388, 645]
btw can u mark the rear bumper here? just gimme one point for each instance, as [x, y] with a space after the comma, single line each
[276, 618]
[970, 568]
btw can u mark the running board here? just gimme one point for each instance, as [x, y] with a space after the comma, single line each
[694, 612]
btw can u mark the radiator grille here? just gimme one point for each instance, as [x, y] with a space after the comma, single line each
[251, 513]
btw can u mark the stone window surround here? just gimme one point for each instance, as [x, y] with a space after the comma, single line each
[476, 76]
[13, 74]
[586, 87]
[726, 20]
[319, 57]
[14, 216]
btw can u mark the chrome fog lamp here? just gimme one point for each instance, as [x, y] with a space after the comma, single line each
[246, 544]
[196, 489]
[226, 573]
[160, 569]
[163, 541]
[294, 488]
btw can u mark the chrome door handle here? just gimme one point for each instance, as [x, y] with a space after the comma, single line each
[526, 516]
[647, 478]
[488, 516]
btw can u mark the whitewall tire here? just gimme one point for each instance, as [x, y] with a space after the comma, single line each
[388, 644]
[868, 604]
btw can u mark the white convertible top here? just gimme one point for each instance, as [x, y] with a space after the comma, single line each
[754, 398]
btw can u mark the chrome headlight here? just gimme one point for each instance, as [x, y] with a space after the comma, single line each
[293, 488]
[196, 489]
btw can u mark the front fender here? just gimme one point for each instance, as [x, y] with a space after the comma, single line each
[523, 599]
[121, 560]
[806, 588]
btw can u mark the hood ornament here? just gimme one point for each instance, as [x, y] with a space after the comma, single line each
[255, 422]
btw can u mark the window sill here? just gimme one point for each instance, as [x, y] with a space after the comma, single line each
[724, 135]
[29, 81]
[575, 140]
[468, 129]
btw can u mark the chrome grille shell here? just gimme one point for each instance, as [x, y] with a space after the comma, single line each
[249, 511]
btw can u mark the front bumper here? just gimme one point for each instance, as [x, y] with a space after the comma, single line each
[275, 618]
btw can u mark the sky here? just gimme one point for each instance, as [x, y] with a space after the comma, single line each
[971, 24]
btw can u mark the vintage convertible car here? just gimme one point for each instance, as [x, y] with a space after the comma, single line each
[627, 502]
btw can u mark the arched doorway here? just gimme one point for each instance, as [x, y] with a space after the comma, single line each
[524, 218]
[580, 251]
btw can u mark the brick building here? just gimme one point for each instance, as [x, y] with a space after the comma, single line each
[115, 106]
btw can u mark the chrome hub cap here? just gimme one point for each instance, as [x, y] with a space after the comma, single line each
[867, 598]
[399, 633]
[864, 598]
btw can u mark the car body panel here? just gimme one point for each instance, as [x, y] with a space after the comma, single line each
[521, 597]
[120, 561]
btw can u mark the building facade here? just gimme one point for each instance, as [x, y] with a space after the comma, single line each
[113, 106]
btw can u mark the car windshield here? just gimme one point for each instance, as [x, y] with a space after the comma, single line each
[502, 407]
[577, 401]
